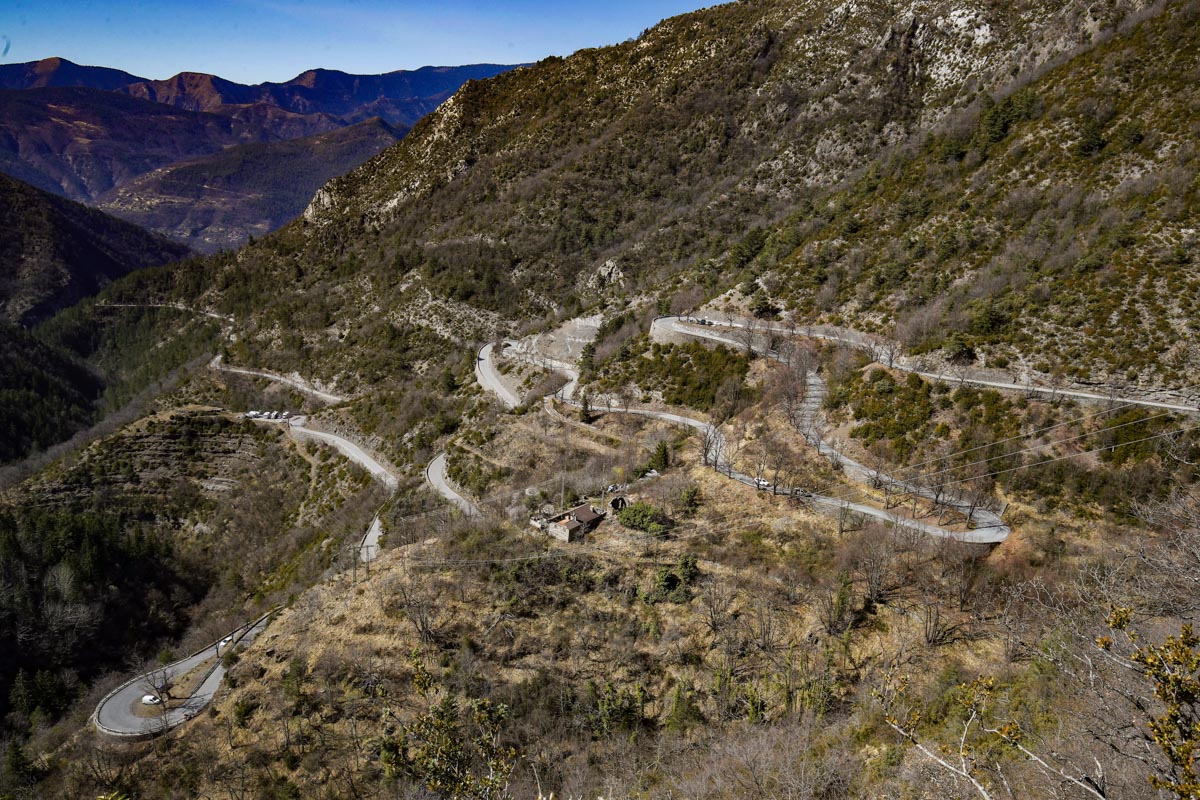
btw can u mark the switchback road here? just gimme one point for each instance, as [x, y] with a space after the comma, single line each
[122, 714]
[489, 377]
[682, 325]
[347, 448]
[435, 476]
[989, 528]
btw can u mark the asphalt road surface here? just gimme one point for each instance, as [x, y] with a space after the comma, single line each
[435, 475]
[989, 529]
[853, 339]
[489, 377]
[298, 384]
[349, 449]
[117, 714]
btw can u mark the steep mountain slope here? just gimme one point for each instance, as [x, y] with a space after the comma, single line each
[108, 552]
[45, 394]
[60, 72]
[400, 98]
[82, 142]
[548, 188]
[991, 182]
[54, 252]
[217, 202]
[1051, 236]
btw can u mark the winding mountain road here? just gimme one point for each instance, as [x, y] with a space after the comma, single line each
[682, 325]
[347, 448]
[117, 715]
[489, 377]
[122, 715]
[992, 531]
[989, 528]
[296, 382]
[435, 476]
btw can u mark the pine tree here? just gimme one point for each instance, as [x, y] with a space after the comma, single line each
[661, 458]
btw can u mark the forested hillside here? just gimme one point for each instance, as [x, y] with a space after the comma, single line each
[45, 394]
[54, 253]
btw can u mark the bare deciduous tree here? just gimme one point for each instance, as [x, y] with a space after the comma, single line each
[715, 600]
[874, 556]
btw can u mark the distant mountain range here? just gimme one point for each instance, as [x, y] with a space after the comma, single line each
[81, 142]
[84, 132]
[400, 98]
[54, 72]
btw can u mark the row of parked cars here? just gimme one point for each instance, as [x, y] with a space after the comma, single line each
[268, 414]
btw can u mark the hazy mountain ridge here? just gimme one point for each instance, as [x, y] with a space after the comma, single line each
[81, 142]
[401, 97]
[86, 131]
[218, 201]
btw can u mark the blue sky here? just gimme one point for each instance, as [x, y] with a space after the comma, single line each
[273, 40]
